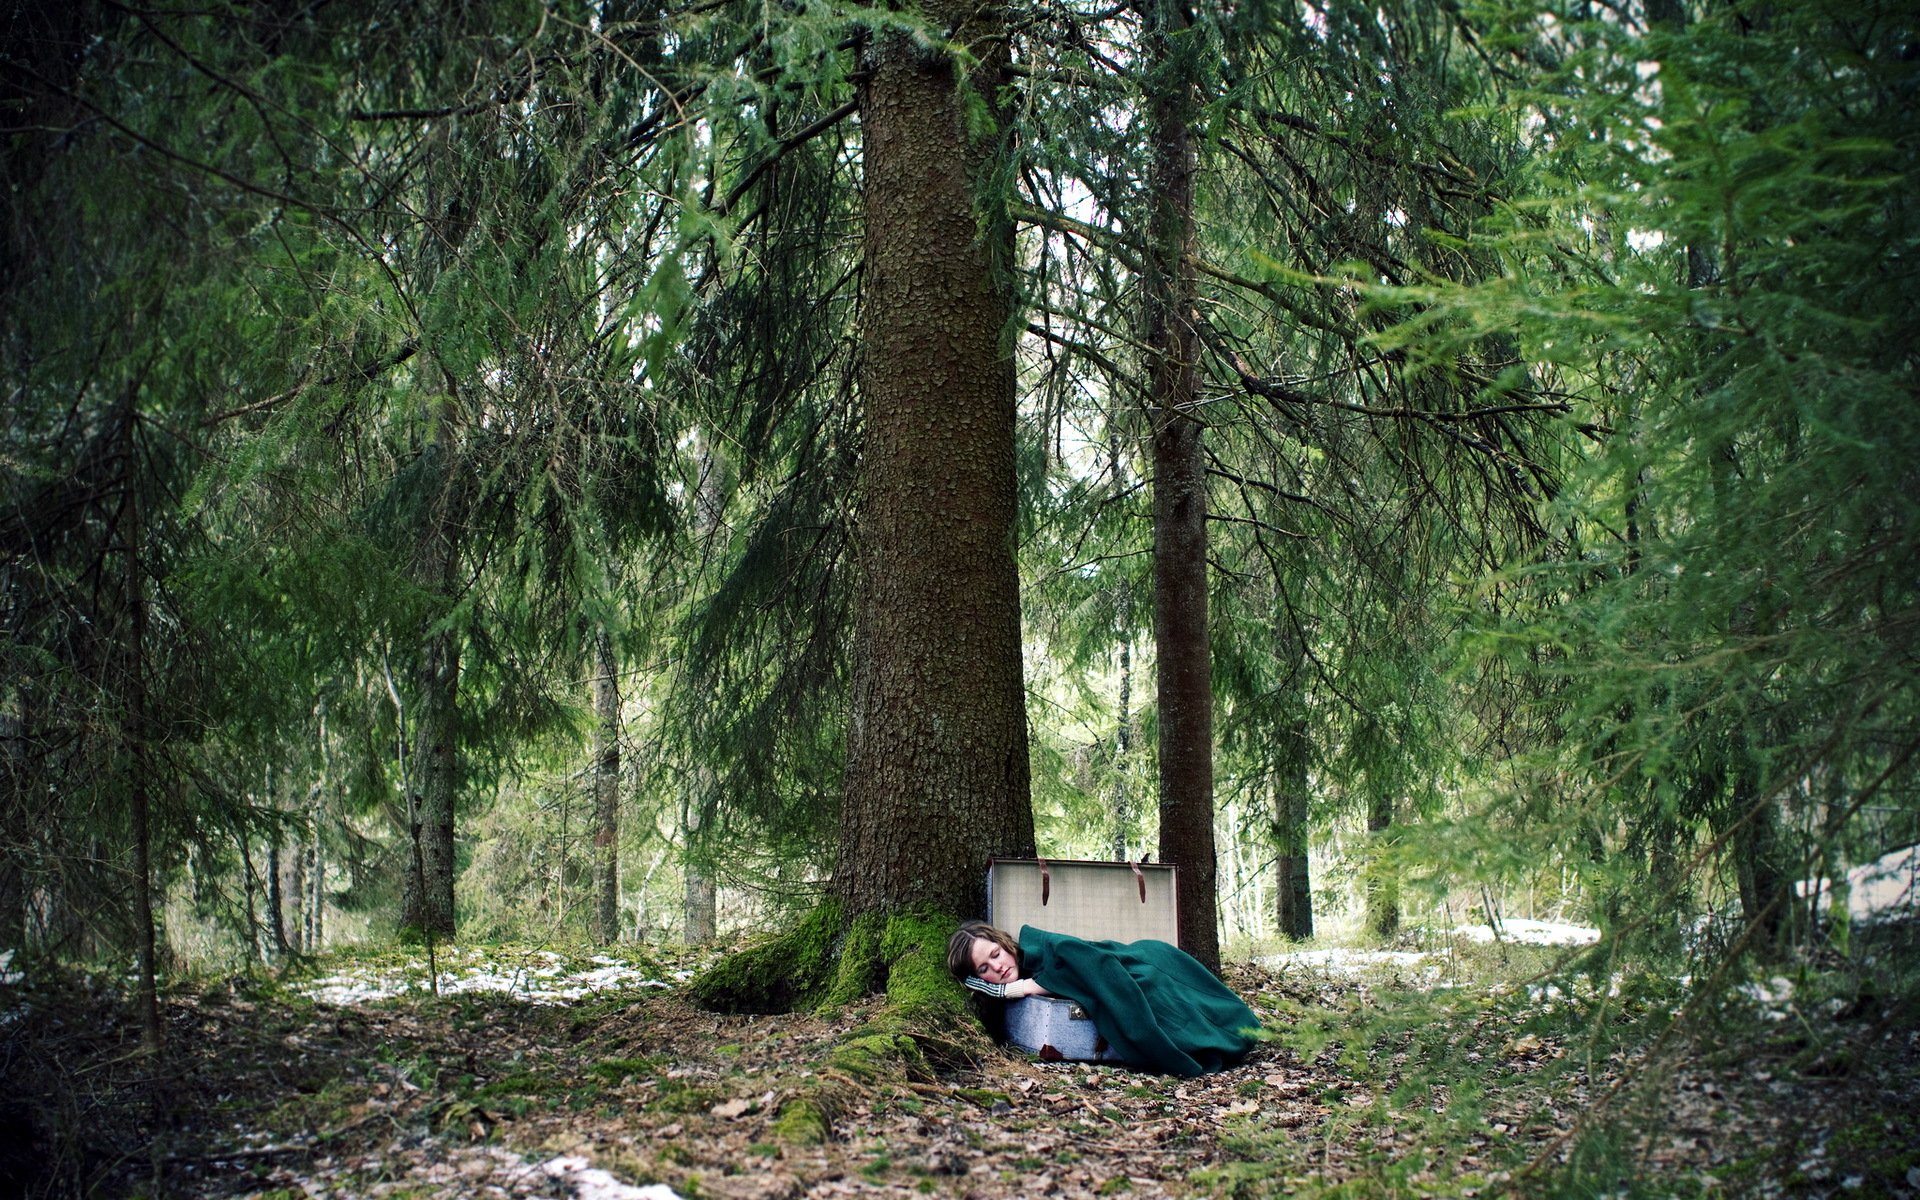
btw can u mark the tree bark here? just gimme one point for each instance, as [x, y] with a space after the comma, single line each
[606, 791]
[16, 823]
[427, 903]
[1123, 818]
[1383, 886]
[256, 944]
[293, 887]
[316, 860]
[699, 905]
[1766, 890]
[147, 998]
[1123, 748]
[276, 894]
[937, 775]
[1185, 674]
[1293, 886]
[276, 901]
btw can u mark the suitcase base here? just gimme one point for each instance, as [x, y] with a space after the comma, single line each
[1056, 1030]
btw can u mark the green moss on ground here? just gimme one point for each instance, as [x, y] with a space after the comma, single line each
[680, 1096]
[802, 1122]
[984, 1097]
[619, 1070]
[879, 1051]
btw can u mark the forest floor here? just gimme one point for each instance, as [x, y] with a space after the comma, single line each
[1402, 1084]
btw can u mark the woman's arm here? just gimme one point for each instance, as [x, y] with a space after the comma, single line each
[1006, 991]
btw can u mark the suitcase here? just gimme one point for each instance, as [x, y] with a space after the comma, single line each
[1057, 1030]
[1099, 901]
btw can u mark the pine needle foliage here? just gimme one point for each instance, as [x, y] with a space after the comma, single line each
[1710, 265]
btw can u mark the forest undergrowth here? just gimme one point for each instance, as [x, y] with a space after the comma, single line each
[1507, 1079]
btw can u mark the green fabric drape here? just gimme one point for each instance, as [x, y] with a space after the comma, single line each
[1154, 1003]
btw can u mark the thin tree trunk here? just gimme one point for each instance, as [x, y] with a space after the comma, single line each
[699, 892]
[642, 928]
[1766, 897]
[1765, 889]
[1123, 818]
[148, 999]
[606, 791]
[316, 861]
[937, 773]
[145, 949]
[1123, 747]
[1185, 670]
[1383, 886]
[1293, 885]
[316, 904]
[700, 905]
[427, 904]
[294, 888]
[249, 886]
[276, 899]
[15, 823]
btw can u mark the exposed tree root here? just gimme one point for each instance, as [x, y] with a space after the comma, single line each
[925, 1025]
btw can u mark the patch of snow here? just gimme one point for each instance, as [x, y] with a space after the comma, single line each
[541, 978]
[1882, 890]
[1773, 997]
[591, 1183]
[1578, 992]
[1531, 933]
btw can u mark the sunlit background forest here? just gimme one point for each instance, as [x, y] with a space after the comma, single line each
[436, 463]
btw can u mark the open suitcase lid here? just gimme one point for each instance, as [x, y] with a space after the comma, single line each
[1100, 901]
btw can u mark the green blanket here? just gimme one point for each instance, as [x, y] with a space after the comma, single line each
[1154, 1003]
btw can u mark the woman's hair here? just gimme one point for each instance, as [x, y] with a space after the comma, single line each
[960, 946]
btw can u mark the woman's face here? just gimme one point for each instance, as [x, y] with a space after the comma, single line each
[993, 963]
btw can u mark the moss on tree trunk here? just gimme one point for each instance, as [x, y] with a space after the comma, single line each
[825, 963]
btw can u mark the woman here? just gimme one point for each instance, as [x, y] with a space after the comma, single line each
[1153, 1002]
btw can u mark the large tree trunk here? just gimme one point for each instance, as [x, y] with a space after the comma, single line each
[937, 775]
[1185, 694]
[606, 791]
